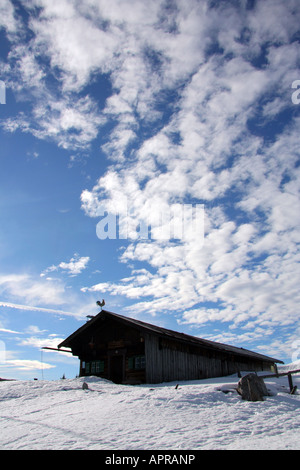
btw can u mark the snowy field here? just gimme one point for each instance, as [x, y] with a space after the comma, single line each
[194, 416]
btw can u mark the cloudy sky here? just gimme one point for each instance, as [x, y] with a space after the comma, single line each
[121, 118]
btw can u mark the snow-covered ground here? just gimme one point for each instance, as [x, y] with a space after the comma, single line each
[195, 415]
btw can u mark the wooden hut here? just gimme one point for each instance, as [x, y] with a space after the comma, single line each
[129, 351]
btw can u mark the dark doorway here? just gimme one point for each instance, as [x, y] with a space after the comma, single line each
[116, 369]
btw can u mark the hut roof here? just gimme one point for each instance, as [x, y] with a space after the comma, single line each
[164, 333]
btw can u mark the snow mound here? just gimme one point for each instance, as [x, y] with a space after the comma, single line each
[204, 414]
[289, 367]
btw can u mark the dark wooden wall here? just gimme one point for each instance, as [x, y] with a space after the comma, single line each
[117, 346]
[168, 360]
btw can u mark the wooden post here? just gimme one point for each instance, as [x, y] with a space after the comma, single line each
[292, 387]
[290, 382]
[281, 374]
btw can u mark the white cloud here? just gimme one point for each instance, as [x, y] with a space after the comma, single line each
[73, 124]
[5, 330]
[38, 342]
[74, 267]
[31, 293]
[76, 264]
[27, 364]
[70, 39]
[37, 309]
[146, 49]
[33, 329]
[7, 17]
[23, 286]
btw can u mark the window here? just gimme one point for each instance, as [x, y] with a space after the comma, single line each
[94, 367]
[136, 362]
[99, 367]
[140, 362]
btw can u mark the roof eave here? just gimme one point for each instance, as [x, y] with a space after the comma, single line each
[66, 342]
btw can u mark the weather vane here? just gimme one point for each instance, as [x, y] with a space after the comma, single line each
[101, 304]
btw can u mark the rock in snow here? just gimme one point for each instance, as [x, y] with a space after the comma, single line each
[251, 387]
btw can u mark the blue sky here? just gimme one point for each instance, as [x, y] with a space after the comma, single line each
[124, 110]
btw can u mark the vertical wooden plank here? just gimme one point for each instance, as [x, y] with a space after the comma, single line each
[290, 382]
